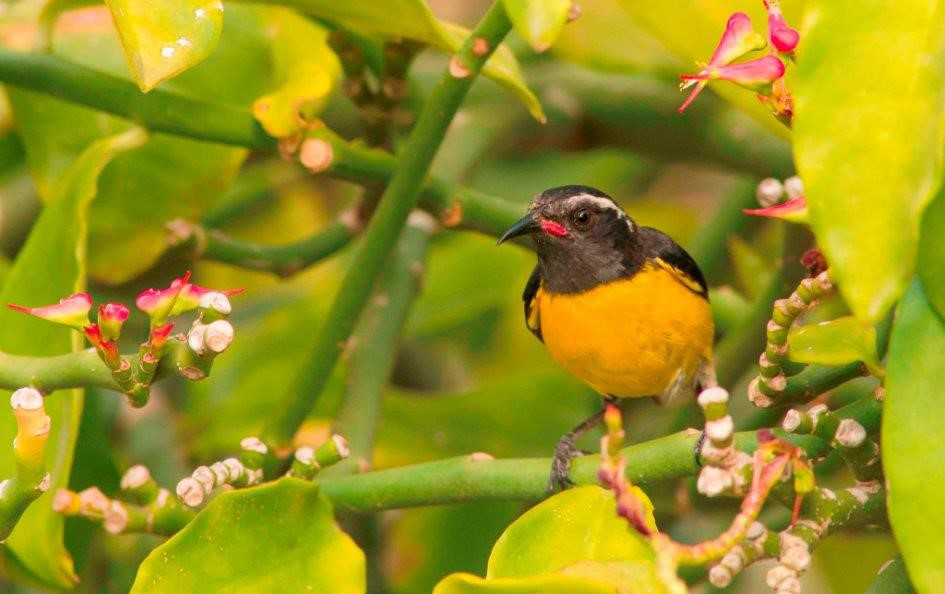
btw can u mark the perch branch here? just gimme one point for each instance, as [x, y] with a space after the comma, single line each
[478, 477]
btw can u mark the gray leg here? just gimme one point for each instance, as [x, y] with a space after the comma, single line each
[565, 451]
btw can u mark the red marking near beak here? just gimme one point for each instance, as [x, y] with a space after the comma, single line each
[553, 228]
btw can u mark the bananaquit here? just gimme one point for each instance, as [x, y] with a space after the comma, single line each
[621, 307]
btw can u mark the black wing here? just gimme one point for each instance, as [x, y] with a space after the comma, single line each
[661, 247]
[532, 319]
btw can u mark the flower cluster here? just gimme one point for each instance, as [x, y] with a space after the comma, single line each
[159, 305]
[764, 75]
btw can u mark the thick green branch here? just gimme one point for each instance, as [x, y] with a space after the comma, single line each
[398, 199]
[478, 477]
[82, 369]
[374, 345]
[160, 111]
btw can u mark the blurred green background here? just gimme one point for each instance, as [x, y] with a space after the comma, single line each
[468, 375]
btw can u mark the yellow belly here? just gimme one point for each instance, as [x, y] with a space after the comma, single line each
[628, 338]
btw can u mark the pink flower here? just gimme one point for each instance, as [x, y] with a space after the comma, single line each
[756, 75]
[181, 296]
[72, 311]
[159, 303]
[107, 349]
[782, 37]
[794, 210]
[111, 317]
[738, 40]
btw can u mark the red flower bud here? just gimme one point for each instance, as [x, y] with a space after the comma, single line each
[107, 349]
[782, 37]
[71, 311]
[158, 337]
[111, 317]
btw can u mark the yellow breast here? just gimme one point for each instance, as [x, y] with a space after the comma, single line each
[631, 337]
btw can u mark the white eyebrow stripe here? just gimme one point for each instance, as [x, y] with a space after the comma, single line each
[596, 200]
[603, 203]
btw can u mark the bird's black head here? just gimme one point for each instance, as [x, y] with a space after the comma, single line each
[583, 238]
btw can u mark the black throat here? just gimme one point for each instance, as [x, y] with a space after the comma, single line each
[570, 267]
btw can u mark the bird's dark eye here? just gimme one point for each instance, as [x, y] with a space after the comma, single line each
[582, 219]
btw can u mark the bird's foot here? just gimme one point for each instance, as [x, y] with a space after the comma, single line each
[565, 451]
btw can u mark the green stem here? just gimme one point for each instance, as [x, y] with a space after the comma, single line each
[817, 379]
[375, 346]
[281, 260]
[400, 196]
[81, 369]
[29, 480]
[159, 111]
[477, 477]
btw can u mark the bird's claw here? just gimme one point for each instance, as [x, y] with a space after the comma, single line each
[561, 465]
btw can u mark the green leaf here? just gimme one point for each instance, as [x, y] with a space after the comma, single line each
[579, 524]
[868, 137]
[932, 253]
[413, 19]
[572, 542]
[691, 31]
[162, 39]
[260, 539]
[606, 38]
[51, 265]
[892, 579]
[913, 442]
[551, 583]
[835, 342]
[538, 21]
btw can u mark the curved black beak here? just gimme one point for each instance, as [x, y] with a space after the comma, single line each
[525, 226]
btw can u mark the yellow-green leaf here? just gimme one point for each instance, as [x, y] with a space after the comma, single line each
[304, 68]
[606, 38]
[278, 112]
[835, 342]
[538, 21]
[50, 266]
[550, 583]
[869, 95]
[162, 39]
[278, 536]
[931, 261]
[579, 524]
[413, 19]
[913, 443]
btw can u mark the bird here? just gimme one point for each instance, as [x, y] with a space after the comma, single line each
[622, 307]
